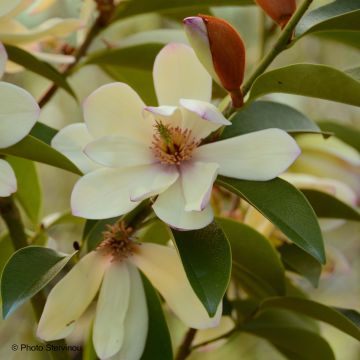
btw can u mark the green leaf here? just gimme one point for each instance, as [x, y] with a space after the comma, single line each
[338, 15]
[319, 81]
[26, 273]
[29, 190]
[130, 8]
[6, 250]
[328, 206]
[34, 149]
[352, 315]
[349, 38]
[349, 134]
[138, 56]
[158, 233]
[261, 115]
[316, 311]
[286, 207]
[206, 256]
[158, 342]
[253, 254]
[291, 335]
[301, 262]
[138, 79]
[30, 62]
[43, 132]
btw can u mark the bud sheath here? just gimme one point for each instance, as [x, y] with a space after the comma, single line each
[279, 10]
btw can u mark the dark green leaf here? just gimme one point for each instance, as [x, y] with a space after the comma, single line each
[346, 133]
[130, 8]
[291, 335]
[286, 207]
[319, 81]
[30, 62]
[26, 273]
[266, 114]
[316, 311]
[43, 132]
[352, 315]
[29, 190]
[301, 262]
[139, 56]
[34, 149]
[328, 206]
[158, 342]
[338, 15]
[6, 250]
[206, 256]
[252, 253]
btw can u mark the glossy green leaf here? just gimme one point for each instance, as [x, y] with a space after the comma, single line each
[338, 15]
[286, 207]
[349, 134]
[328, 206]
[29, 192]
[292, 335]
[43, 132]
[6, 250]
[34, 149]
[158, 342]
[130, 8]
[253, 254]
[316, 311]
[26, 273]
[138, 79]
[266, 114]
[352, 315]
[206, 256]
[299, 261]
[137, 56]
[31, 63]
[319, 81]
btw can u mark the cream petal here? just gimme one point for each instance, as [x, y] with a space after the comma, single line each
[54, 58]
[107, 193]
[259, 156]
[3, 59]
[18, 114]
[167, 115]
[8, 183]
[170, 208]
[12, 32]
[41, 5]
[11, 8]
[116, 109]
[136, 321]
[163, 267]
[71, 141]
[201, 117]
[179, 74]
[119, 151]
[71, 296]
[197, 181]
[112, 305]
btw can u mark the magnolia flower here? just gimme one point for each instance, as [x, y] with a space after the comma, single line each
[13, 32]
[330, 159]
[121, 318]
[18, 114]
[143, 151]
[221, 50]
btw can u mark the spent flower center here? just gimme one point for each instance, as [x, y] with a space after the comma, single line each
[118, 241]
[172, 145]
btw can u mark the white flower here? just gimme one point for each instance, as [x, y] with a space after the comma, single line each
[13, 32]
[121, 317]
[18, 114]
[145, 151]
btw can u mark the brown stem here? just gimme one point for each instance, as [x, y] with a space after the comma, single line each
[185, 347]
[106, 8]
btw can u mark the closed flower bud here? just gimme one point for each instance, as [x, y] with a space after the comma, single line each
[279, 10]
[221, 50]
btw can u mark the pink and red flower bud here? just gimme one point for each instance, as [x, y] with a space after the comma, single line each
[221, 50]
[279, 10]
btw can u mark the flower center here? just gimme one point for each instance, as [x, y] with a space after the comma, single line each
[118, 241]
[172, 145]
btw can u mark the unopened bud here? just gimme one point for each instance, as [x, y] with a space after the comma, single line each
[279, 10]
[221, 50]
